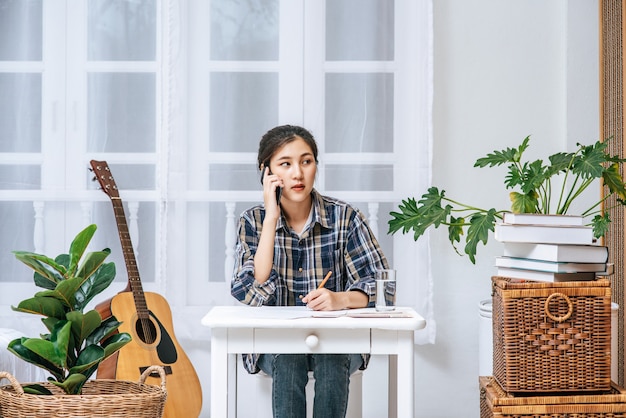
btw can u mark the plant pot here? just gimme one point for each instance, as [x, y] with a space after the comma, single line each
[100, 398]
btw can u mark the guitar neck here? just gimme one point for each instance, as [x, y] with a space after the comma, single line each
[134, 282]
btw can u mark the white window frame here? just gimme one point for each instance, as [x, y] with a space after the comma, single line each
[409, 161]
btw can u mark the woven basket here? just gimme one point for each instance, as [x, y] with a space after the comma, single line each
[496, 403]
[100, 398]
[551, 337]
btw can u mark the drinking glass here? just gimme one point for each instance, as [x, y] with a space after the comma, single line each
[385, 290]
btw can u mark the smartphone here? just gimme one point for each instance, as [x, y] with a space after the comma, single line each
[279, 190]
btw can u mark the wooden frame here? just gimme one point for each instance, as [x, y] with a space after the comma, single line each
[612, 75]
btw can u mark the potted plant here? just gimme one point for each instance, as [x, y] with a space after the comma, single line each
[535, 190]
[76, 341]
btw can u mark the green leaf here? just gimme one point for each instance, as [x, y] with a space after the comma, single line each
[92, 262]
[17, 347]
[46, 267]
[50, 322]
[600, 225]
[45, 282]
[613, 180]
[89, 356]
[529, 177]
[65, 291]
[455, 229]
[54, 350]
[497, 158]
[559, 163]
[524, 203]
[63, 260]
[115, 342]
[429, 207]
[419, 217]
[508, 155]
[36, 389]
[406, 218]
[79, 246]
[589, 164]
[88, 372]
[73, 384]
[478, 231]
[83, 324]
[45, 306]
[534, 176]
[107, 328]
[61, 263]
[514, 177]
[95, 284]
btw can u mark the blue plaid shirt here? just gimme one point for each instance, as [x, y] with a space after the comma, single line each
[337, 239]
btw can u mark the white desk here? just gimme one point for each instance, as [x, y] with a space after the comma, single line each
[244, 329]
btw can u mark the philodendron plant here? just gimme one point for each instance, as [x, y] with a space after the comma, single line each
[76, 342]
[539, 187]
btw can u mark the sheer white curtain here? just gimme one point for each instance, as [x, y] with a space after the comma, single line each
[357, 73]
[174, 95]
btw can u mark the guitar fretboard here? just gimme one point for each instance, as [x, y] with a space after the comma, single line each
[105, 178]
[134, 280]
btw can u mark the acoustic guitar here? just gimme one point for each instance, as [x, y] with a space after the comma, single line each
[147, 317]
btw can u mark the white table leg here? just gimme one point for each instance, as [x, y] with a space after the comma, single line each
[404, 370]
[219, 373]
[231, 385]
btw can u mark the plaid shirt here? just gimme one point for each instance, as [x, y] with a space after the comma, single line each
[337, 239]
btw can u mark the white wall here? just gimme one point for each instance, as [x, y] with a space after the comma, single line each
[503, 70]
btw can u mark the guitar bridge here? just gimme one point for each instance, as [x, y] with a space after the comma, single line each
[168, 370]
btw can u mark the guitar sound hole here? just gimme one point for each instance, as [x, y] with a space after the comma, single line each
[146, 331]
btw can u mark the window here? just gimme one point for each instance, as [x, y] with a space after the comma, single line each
[175, 96]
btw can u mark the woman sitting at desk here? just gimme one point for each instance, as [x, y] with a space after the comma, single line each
[284, 250]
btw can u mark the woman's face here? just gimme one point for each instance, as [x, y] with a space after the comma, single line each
[295, 164]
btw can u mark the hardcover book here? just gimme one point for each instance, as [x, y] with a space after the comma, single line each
[551, 266]
[557, 252]
[547, 234]
[544, 276]
[541, 219]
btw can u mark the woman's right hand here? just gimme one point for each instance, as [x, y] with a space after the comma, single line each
[264, 256]
[271, 183]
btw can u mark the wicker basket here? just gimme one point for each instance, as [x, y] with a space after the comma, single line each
[101, 398]
[496, 403]
[551, 337]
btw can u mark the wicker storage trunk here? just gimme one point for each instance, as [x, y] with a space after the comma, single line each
[551, 337]
[496, 403]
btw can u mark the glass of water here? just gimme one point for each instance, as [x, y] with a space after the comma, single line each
[385, 290]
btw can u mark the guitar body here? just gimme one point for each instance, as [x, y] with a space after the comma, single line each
[154, 345]
[148, 319]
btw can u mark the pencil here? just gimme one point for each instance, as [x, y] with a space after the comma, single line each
[325, 280]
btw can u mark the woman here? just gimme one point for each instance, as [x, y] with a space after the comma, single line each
[284, 250]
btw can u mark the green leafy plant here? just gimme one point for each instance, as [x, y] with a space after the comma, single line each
[77, 342]
[539, 187]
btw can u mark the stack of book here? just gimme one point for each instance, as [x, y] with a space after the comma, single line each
[549, 248]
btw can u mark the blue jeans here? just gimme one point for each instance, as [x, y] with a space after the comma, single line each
[289, 374]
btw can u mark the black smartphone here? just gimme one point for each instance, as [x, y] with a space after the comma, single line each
[279, 190]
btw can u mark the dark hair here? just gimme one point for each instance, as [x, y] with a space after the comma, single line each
[279, 136]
